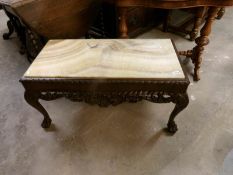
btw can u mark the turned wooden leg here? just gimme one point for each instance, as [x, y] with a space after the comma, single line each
[167, 20]
[221, 12]
[33, 99]
[123, 28]
[198, 20]
[202, 41]
[10, 26]
[181, 101]
[187, 54]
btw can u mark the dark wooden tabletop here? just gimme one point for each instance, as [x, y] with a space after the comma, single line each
[169, 4]
[152, 3]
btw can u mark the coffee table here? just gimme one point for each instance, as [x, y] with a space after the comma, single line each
[107, 72]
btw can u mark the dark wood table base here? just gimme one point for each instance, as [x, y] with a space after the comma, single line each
[107, 92]
[31, 42]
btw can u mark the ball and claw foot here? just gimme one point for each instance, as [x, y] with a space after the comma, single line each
[172, 127]
[6, 36]
[46, 123]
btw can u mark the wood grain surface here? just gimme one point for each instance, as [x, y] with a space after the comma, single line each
[55, 19]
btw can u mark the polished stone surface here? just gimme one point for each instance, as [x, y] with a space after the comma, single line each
[14, 2]
[111, 58]
[127, 139]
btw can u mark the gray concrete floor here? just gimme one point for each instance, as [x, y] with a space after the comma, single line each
[127, 139]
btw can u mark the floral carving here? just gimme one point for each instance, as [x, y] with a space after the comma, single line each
[112, 98]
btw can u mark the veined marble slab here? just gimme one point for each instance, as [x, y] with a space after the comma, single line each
[108, 58]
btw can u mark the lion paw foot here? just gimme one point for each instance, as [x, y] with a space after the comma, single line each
[172, 127]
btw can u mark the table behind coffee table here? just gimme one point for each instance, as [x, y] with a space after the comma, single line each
[196, 53]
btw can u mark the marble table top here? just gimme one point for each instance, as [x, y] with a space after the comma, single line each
[108, 58]
[13, 2]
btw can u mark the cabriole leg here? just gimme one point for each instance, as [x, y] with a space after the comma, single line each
[33, 99]
[181, 101]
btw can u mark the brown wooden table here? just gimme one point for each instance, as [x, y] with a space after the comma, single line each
[196, 53]
[107, 72]
[37, 21]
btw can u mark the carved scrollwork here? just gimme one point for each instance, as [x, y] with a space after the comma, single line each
[49, 96]
[105, 99]
[33, 44]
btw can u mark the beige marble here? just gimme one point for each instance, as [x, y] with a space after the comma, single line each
[15, 3]
[132, 58]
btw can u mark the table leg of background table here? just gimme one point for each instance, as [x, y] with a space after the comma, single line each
[221, 12]
[33, 99]
[123, 28]
[181, 101]
[198, 20]
[202, 41]
[167, 20]
[10, 26]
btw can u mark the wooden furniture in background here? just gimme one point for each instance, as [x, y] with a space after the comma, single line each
[53, 19]
[35, 27]
[107, 72]
[139, 20]
[37, 21]
[31, 42]
[195, 20]
[192, 17]
[221, 13]
[196, 53]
